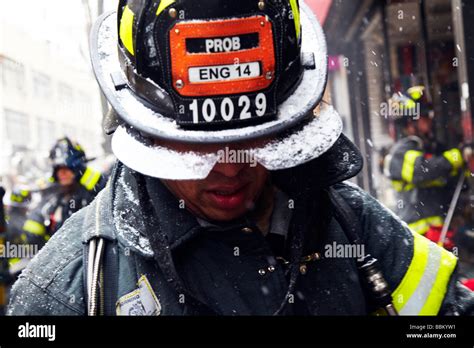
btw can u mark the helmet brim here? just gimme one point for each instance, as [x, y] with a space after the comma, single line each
[302, 145]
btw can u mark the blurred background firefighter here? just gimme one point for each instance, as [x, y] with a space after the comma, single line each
[378, 48]
[77, 185]
[423, 171]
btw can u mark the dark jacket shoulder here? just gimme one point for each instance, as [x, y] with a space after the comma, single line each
[54, 278]
[385, 236]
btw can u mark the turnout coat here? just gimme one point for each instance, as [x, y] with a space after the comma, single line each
[156, 258]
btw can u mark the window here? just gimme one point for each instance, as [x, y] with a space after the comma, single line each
[41, 86]
[85, 107]
[69, 131]
[13, 74]
[66, 99]
[17, 127]
[46, 133]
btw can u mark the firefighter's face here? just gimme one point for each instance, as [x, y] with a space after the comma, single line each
[228, 192]
[65, 176]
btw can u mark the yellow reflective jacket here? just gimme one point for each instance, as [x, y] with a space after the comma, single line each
[424, 182]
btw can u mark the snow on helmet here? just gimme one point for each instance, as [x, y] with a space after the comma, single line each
[213, 72]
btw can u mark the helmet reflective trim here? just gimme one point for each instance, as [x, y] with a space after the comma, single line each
[296, 16]
[126, 29]
[164, 4]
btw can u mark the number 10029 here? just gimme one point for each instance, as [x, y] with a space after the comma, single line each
[228, 109]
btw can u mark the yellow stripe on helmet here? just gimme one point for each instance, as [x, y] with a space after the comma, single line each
[295, 8]
[164, 4]
[126, 29]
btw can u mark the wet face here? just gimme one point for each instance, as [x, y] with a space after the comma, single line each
[228, 192]
[65, 176]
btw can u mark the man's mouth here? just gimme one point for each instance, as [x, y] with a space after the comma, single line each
[225, 193]
[228, 198]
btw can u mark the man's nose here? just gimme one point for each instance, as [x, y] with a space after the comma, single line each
[229, 170]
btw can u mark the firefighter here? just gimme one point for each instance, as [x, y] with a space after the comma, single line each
[228, 197]
[78, 184]
[423, 171]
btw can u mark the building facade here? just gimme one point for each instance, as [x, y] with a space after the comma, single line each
[47, 91]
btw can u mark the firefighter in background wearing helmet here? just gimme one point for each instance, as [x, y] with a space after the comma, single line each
[228, 195]
[423, 171]
[78, 184]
